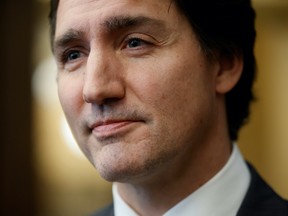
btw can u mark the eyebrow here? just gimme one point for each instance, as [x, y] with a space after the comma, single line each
[65, 39]
[111, 24]
[121, 22]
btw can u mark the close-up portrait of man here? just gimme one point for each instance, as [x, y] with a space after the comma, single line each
[155, 93]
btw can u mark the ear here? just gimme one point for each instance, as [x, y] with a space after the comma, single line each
[229, 73]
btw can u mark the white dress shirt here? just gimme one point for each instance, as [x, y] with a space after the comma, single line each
[222, 195]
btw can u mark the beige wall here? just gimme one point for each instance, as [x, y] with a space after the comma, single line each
[70, 186]
[264, 141]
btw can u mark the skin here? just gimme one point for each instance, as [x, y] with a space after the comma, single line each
[145, 105]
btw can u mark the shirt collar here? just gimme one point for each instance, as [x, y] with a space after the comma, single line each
[222, 195]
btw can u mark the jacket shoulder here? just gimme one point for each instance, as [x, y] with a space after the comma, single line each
[107, 211]
[261, 200]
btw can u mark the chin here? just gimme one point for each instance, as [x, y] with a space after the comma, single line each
[112, 175]
[125, 171]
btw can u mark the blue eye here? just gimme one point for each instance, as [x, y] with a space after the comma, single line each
[73, 55]
[135, 42]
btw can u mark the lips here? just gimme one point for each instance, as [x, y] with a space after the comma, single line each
[112, 127]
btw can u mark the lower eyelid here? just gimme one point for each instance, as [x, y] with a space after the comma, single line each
[73, 66]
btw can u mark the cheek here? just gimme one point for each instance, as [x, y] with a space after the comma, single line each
[169, 84]
[70, 96]
[177, 95]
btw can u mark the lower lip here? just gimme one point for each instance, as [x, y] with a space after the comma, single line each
[112, 129]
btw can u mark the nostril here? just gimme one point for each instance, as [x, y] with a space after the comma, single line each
[101, 101]
[102, 89]
[108, 101]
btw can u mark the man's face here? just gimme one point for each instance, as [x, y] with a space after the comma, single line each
[133, 82]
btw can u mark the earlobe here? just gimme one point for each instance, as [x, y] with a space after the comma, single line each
[229, 73]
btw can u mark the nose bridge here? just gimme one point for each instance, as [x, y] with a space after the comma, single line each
[102, 78]
[97, 70]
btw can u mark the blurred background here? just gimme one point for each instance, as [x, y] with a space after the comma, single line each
[42, 171]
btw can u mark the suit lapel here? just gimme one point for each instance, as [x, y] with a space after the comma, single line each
[261, 200]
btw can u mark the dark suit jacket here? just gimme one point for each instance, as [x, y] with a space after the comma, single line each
[260, 200]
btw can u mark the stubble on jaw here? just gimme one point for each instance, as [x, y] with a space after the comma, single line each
[125, 162]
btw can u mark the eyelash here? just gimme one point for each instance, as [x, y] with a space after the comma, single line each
[65, 55]
[138, 40]
[144, 39]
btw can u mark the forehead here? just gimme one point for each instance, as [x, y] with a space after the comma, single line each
[90, 13]
[102, 4]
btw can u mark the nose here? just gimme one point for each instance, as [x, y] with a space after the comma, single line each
[103, 79]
